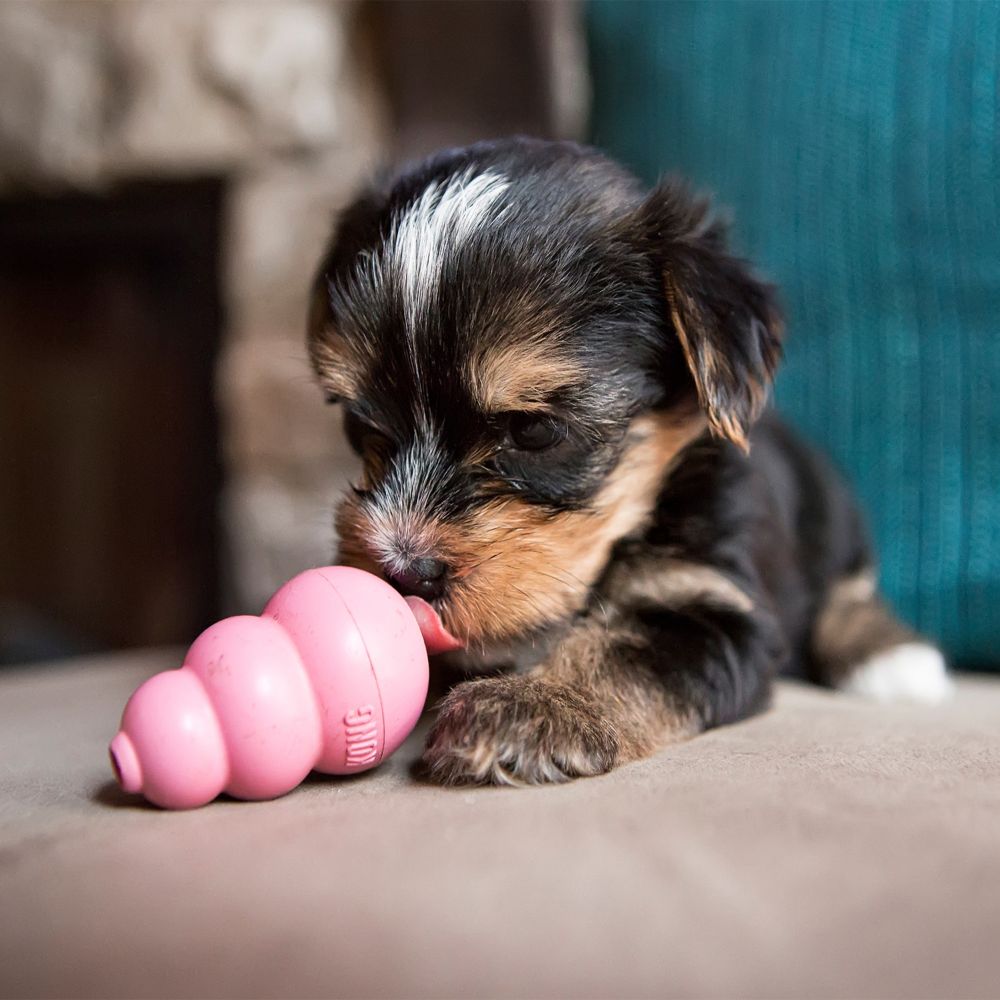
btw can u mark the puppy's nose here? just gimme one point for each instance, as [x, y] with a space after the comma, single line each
[422, 578]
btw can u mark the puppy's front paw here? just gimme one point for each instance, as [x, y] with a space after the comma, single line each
[517, 730]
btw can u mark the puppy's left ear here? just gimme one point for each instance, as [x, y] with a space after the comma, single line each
[727, 321]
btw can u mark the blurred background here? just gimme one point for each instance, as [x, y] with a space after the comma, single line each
[169, 171]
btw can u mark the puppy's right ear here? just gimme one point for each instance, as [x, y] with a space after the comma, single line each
[726, 319]
[357, 228]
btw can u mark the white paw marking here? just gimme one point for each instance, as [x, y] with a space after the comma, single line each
[913, 672]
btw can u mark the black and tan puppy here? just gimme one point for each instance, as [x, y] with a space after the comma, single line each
[554, 380]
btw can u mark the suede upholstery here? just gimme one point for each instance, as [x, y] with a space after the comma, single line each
[856, 145]
[828, 848]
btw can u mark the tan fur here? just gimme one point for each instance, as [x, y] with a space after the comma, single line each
[518, 567]
[853, 589]
[518, 375]
[517, 730]
[853, 625]
[707, 365]
[590, 706]
[338, 363]
[675, 583]
[352, 551]
[592, 660]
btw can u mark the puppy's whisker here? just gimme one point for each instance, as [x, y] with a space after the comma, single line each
[471, 569]
[560, 579]
[572, 576]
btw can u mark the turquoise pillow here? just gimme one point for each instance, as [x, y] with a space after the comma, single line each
[857, 145]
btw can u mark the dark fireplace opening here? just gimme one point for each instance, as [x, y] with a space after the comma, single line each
[110, 320]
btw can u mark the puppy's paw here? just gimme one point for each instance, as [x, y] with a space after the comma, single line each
[517, 731]
[911, 672]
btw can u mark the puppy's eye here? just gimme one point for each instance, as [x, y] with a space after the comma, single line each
[330, 398]
[363, 437]
[535, 431]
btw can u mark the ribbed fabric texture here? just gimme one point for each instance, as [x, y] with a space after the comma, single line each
[857, 145]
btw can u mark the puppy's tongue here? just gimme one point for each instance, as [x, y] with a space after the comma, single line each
[436, 637]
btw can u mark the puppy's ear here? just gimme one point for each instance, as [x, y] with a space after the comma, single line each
[356, 227]
[727, 321]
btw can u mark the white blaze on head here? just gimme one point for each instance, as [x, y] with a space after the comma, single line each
[435, 225]
[422, 237]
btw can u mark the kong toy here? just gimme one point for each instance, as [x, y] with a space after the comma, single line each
[331, 677]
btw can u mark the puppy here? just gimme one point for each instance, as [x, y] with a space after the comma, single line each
[554, 378]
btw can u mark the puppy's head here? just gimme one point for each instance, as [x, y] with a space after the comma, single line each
[523, 341]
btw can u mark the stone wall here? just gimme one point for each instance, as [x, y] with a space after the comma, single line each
[279, 100]
[291, 103]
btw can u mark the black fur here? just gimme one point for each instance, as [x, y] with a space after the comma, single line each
[640, 293]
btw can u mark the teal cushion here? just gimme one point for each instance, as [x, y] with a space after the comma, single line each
[857, 145]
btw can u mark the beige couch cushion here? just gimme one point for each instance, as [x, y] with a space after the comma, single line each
[826, 849]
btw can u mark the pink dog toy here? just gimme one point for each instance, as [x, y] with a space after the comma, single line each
[331, 677]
